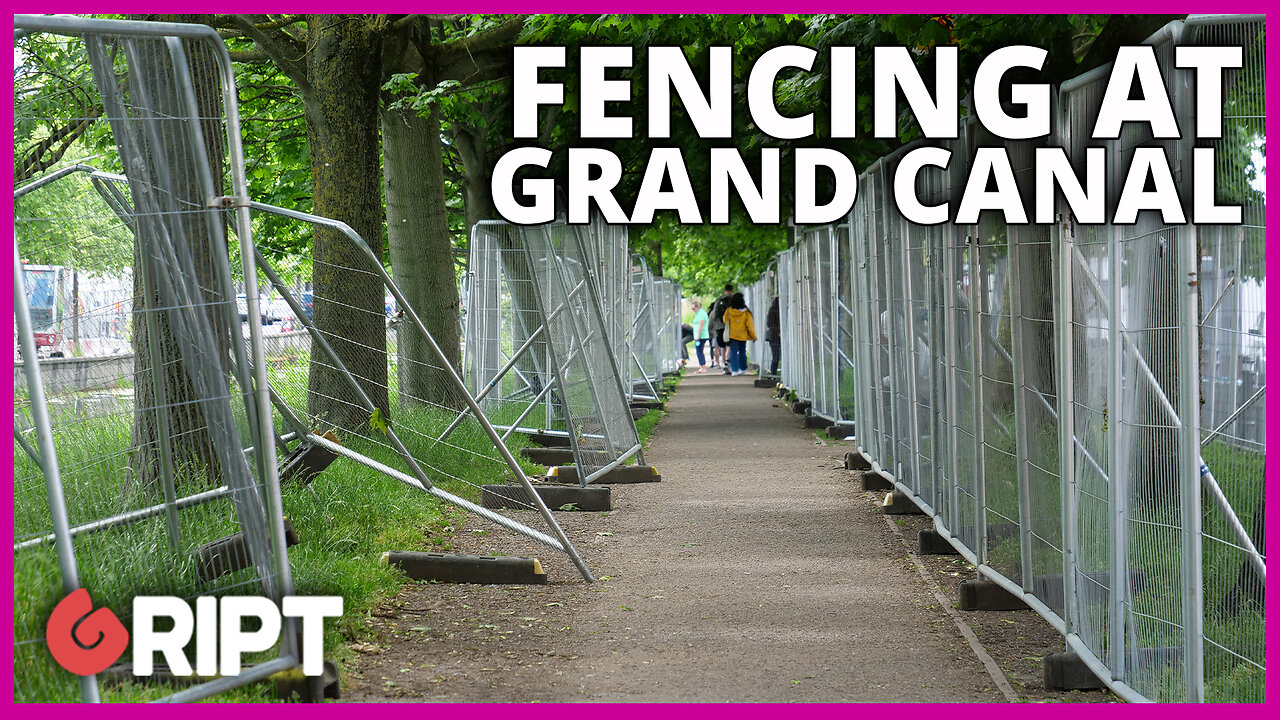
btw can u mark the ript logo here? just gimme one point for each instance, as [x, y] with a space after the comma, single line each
[83, 640]
[87, 641]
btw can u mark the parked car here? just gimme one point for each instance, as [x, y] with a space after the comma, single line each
[242, 309]
[278, 311]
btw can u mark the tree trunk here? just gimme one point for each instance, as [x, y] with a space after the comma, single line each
[344, 67]
[421, 255]
[165, 166]
[472, 146]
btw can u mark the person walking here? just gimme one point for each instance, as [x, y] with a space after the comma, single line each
[686, 337]
[773, 335]
[720, 353]
[741, 330]
[701, 334]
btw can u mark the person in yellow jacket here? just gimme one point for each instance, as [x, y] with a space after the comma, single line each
[741, 327]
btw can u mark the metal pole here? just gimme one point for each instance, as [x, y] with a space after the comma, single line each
[1117, 484]
[1020, 407]
[908, 292]
[1064, 327]
[48, 452]
[1189, 461]
[501, 447]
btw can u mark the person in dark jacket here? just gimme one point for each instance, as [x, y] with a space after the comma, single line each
[720, 343]
[773, 335]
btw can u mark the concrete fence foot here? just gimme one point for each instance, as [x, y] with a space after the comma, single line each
[230, 554]
[987, 595]
[931, 542]
[840, 430]
[1067, 671]
[818, 422]
[896, 503]
[546, 440]
[478, 569]
[555, 497]
[623, 474]
[874, 481]
[856, 461]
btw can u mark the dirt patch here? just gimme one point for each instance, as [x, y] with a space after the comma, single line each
[1018, 640]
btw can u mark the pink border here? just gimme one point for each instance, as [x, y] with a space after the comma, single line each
[535, 712]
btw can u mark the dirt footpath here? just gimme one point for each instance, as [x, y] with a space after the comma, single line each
[756, 571]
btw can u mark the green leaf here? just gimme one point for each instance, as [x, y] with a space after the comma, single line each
[378, 421]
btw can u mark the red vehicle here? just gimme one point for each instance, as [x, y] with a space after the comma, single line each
[65, 307]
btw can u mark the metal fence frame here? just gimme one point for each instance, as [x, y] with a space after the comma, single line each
[579, 351]
[1027, 446]
[249, 369]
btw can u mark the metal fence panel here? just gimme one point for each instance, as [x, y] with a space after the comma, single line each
[162, 449]
[1063, 399]
[1233, 367]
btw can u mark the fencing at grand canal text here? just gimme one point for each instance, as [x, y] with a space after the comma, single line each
[1080, 408]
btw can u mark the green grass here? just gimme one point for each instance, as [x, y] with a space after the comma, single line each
[1155, 548]
[345, 520]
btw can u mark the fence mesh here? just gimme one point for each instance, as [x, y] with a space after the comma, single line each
[534, 303]
[1081, 420]
[646, 362]
[365, 379]
[1232, 302]
[152, 409]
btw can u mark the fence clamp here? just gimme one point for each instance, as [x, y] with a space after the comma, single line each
[226, 202]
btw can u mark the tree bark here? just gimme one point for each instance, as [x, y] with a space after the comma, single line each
[473, 148]
[152, 92]
[421, 255]
[344, 72]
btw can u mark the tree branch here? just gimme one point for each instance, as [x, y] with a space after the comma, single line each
[1121, 30]
[455, 50]
[249, 56]
[281, 47]
[34, 161]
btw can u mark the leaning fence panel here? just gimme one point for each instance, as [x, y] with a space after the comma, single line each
[1232, 301]
[151, 420]
[367, 382]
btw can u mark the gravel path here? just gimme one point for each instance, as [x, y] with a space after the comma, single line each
[755, 571]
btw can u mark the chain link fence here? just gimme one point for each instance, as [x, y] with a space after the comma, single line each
[539, 341]
[1082, 422]
[143, 454]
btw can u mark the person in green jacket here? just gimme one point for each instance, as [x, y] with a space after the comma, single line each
[701, 334]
